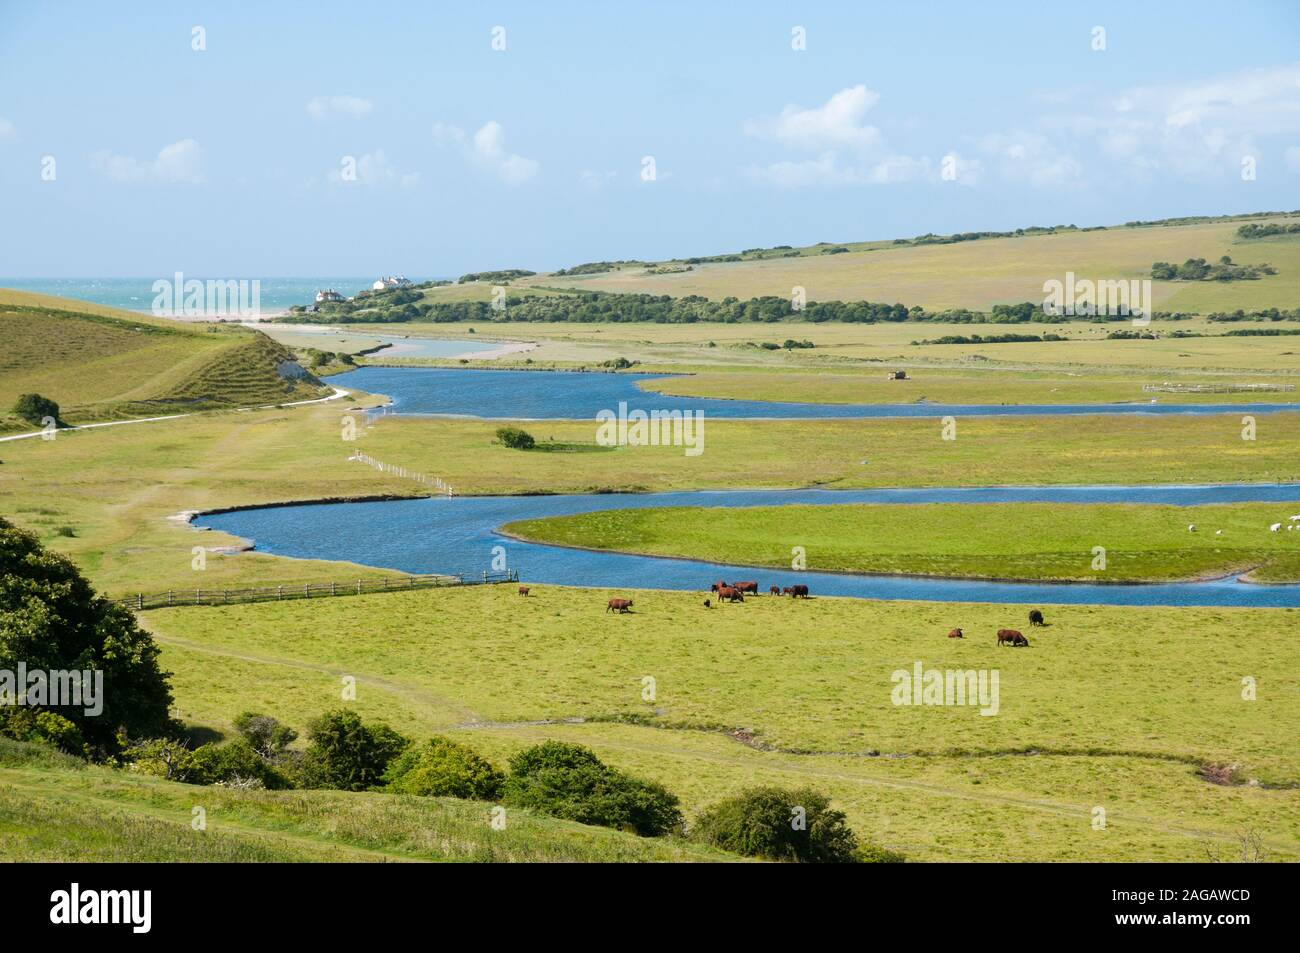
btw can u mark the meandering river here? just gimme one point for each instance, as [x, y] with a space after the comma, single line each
[579, 395]
[459, 535]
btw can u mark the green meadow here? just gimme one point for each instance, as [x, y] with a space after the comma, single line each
[1121, 708]
[1027, 541]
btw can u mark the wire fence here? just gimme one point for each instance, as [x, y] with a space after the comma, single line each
[307, 590]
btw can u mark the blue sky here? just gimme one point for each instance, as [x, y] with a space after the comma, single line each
[230, 161]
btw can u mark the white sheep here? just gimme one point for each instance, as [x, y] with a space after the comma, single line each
[1191, 527]
[1275, 527]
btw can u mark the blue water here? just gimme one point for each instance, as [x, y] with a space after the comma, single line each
[457, 536]
[548, 395]
[136, 294]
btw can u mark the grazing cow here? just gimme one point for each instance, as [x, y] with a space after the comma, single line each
[523, 590]
[707, 603]
[718, 586]
[955, 634]
[774, 590]
[745, 587]
[798, 591]
[730, 594]
[1036, 617]
[619, 605]
[1011, 636]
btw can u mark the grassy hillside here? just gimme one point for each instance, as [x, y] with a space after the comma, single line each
[1110, 706]
[54, 808]
[98, 364]
[1040, 541]
[979, 274]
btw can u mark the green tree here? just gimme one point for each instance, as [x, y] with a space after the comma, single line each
[265, 734]
[515, 439]
[569, 781]
[51, 619]
[444, 768]
[346, 754]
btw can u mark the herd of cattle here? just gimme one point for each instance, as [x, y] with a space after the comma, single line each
[1011, 637]
[735, 592]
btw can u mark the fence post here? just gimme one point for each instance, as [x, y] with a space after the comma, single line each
[306, 590]
[169, 597]
[358, 587]
[333, 592]
[139, 600]
[279, 592]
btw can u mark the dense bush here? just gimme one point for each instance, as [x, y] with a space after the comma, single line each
[444, 768]
[41, 726]
[771, 822]
[235, 762]
[34, 408]
[265, 734]
[52, 620]
[570, 782]
[516, 439]
[346, 754]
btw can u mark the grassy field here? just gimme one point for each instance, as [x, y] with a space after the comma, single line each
[980, 274]
[1112, 707]
[99, 365]
[1038, 541]
[58, 809]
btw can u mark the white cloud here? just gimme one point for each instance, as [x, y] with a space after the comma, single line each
[596, 181]
[325, 107]
[1031, 158]
[178, 162]
[7, 130]
[1197, 130]
[486, 147]
[374, 169]
[835, 124]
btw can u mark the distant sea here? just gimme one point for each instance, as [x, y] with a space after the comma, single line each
[136, 294]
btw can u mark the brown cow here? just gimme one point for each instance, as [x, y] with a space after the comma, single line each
[797, 591]
[1011, 636]
[955, 634]
[775, 590]
[619, 605]
[523, 590]
[718, 586]
[730, 594]
[1036, 617]
[745, 587]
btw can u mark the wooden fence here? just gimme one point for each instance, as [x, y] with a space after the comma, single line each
[306, 590]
